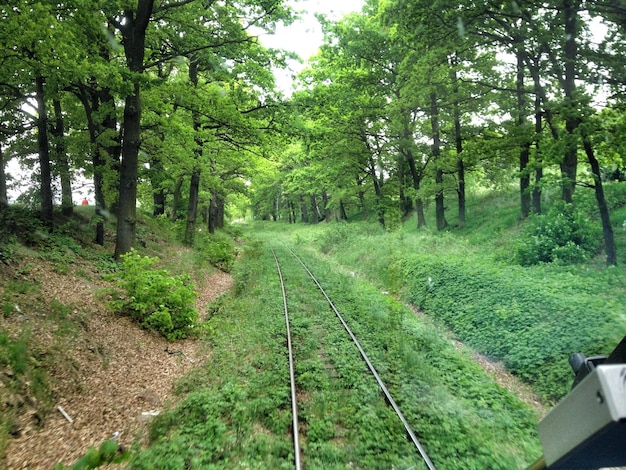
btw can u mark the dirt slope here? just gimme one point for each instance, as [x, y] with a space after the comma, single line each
[105, 372]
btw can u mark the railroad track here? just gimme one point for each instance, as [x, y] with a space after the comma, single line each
[292, 367]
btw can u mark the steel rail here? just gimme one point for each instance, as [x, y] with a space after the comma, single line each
[382, 386]
[292, 375]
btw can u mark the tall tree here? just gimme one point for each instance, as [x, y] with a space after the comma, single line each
[132, 24]
[61, 159]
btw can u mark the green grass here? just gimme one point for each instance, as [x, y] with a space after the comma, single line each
[235, 411]
[531, 318]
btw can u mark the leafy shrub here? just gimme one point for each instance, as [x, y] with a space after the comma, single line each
[21, 224]
[154, 298]
[217, 250]
[334, 235]
[563, 235]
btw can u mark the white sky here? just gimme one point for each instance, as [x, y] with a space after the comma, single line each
[304, 36]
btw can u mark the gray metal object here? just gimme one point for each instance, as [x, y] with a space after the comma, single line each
[587, 428]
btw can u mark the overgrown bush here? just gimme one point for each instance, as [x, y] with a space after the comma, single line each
[563, 235]
[154, 298]
[20, 224]
[333, 235]
[216, 249]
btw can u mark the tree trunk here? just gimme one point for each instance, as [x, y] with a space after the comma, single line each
[62, 163]
[537, 191]
[304, 212]
[158, 202]
[192, 208]
[378, 184]
[157, 175]
[327, 214]
[47, 208]
[364, 213]
[406, 203]
[440, 208]
[361, 196]
[127, 203]
[4, 197]
[538, 159]
[436, 149]
[607, 228]
[458, 139]
[176, 197]
[380, 208]
[110, 159]
[524, 154]
[194, 185]
[419, 208]
[133, 29]
[416, 178]
[342, 210]
[212, 215]
[572, 120]
[221, 211]
[292, 212]
[315, 209]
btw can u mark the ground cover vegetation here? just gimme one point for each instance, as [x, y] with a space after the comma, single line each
[412, 123]
[477, 281]
[240, 398]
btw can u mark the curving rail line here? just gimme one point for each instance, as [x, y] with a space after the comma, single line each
[371, 367]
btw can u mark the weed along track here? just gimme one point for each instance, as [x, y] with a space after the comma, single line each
[336, 406]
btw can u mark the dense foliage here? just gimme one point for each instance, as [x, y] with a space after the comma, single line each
[170, 104]
[154, 298]
[405, 107]
[564, 235]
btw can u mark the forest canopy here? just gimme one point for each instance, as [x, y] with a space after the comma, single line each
[173, 105]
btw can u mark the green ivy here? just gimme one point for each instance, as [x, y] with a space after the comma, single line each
[216, 249]
[530, 322]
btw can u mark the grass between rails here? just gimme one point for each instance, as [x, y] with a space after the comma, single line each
[345, 419]
[462, 418]
[236, 410]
